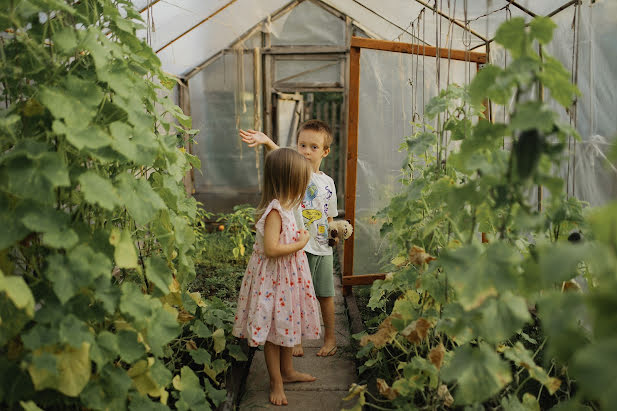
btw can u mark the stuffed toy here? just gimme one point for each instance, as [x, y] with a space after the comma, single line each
[338, 229]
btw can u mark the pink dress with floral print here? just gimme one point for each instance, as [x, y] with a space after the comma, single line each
[277, 301]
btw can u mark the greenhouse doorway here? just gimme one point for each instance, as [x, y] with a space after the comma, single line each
[291, 109]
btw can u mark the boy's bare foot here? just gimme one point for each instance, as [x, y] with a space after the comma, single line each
[277, 394]
[328, 348]
[298, 351]
[295, 376]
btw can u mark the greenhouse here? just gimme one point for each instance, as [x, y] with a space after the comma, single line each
[470, 146]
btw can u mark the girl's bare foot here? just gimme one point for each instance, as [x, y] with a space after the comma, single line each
[295, 376]
[298, 351]
[277, 394]
[328, 348]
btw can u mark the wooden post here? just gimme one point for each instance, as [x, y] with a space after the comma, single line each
[352, 159]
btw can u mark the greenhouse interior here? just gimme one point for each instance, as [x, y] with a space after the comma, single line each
[473, 157]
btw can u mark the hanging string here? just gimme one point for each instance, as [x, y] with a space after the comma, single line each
[423, 71]
[505, 66]
[572, 110]
[449, 45]
[578, 38]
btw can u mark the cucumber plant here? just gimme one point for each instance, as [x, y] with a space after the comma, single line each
[494, 324]
[97, 240]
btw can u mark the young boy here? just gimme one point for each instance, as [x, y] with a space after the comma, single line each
[317, 209]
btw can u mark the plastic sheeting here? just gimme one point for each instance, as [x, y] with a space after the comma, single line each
[220, 105]
[589, 175]
[308, 25]
[391, 85]
[212, 25]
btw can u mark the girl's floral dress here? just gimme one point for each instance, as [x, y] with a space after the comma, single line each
[277, 301]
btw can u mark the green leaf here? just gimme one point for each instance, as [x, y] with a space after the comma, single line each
[73, 331]
[140, 199]
[16, 306]
[108, 391]
[490, 83]
[479, 373]
[98, 190]
[201, 329]
[73, 371]
[421, 143]
[541, 28]
[217, 396]
[143, 403]
[162, 328]
[559, 262]
[135, 303]
[561, 315]
[75, 101]
[79, 268]
[65, 40]
[219, 340]
[53, 224]
[200, 356]
[192, 396]
[511, 34]
[524, 358]
[501, 317]
[159, 273]
[557, 79]
[105, 350]
[477, 274]
[30, 406]
[215, 368]
[594, 367]
[129, 347]
[235, 351]
[533, 115]
[603, 221]
[125, 254]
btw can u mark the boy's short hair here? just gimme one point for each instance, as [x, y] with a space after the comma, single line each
[319, 127]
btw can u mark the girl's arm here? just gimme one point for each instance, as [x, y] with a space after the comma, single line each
[254, 138]
[272, 232]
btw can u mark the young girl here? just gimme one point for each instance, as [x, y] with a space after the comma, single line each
[277, 303]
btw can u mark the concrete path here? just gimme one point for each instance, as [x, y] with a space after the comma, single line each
[334, 374]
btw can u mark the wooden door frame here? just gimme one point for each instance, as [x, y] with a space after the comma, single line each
[357, 44]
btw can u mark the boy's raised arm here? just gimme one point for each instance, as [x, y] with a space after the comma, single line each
[254, 138]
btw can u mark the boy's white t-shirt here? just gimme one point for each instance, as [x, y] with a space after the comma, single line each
[318, 204]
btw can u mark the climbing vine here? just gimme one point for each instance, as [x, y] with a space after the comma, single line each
[97, 239]
[501, 324]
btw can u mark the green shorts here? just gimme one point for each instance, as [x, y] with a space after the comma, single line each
[322, 271]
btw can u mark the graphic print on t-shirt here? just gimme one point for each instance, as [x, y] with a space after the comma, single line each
[310, 194]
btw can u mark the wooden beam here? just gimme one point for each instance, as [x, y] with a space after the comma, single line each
[430, 51]
[304, 50]
[518, 6]
[352, 157]
[389, 21]
[149, 6]
[197, 25]
[364, 279]
[452, 19]
[551, 14]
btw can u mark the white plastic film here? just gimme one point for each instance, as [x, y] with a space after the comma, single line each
[221, 103]
[393, 91]
[307, 25]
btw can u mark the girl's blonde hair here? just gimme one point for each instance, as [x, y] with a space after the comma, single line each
[286, 176]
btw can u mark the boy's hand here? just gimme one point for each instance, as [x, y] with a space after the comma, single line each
[254, 138]
[303, 237]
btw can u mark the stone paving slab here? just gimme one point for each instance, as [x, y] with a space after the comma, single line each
[341, 325]
[299, 400]
[334, 373]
